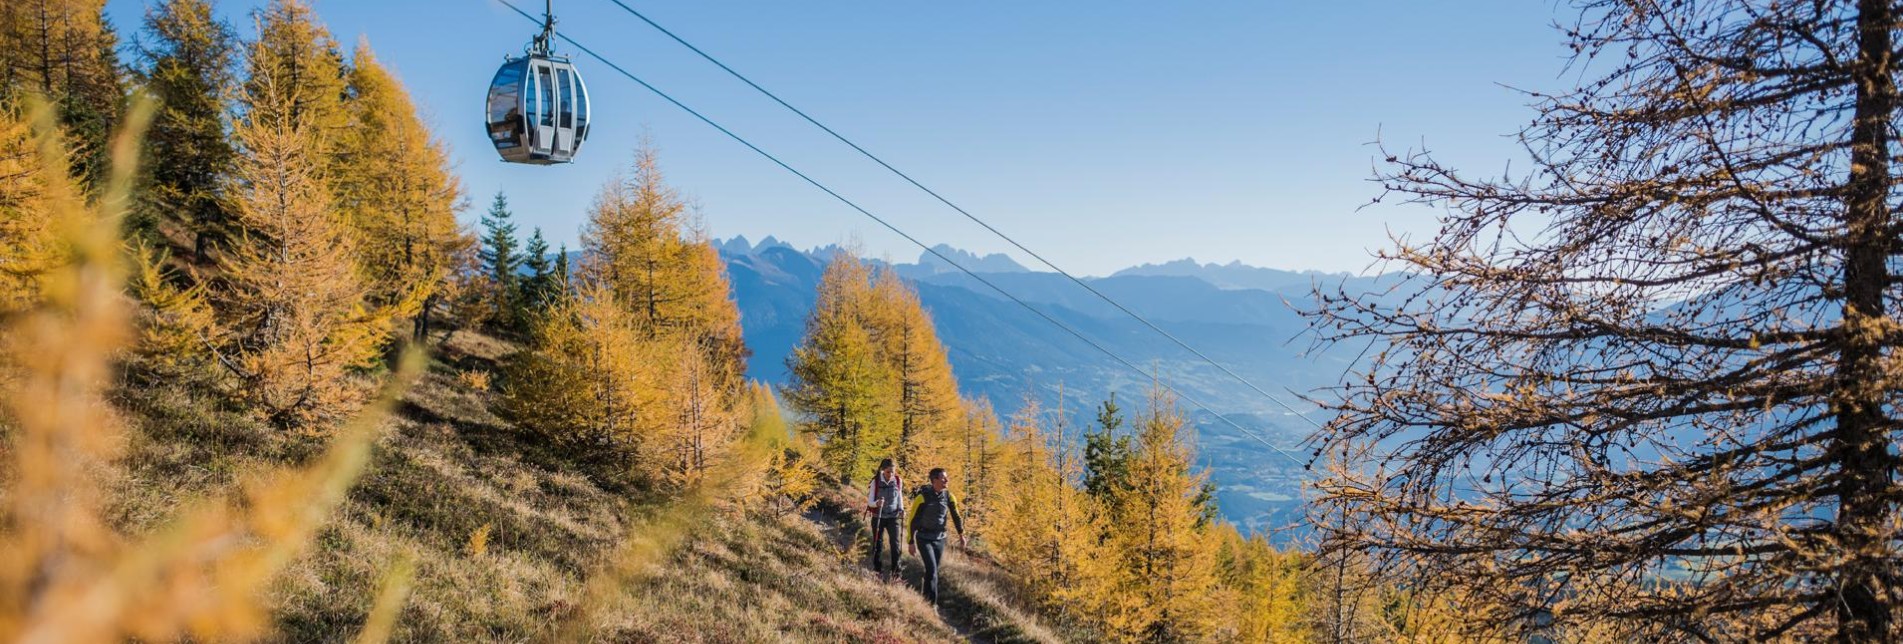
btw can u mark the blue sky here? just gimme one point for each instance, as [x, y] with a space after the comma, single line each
[1102, 134]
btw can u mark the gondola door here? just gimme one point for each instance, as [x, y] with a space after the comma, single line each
[542, 137]
[564, 114]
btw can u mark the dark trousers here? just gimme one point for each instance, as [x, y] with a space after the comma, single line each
[887, 530]
[932, 553]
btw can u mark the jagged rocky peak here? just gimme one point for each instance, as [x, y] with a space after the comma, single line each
[993, 263]
[740, 245]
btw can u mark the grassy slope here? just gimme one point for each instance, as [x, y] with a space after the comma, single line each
[447, 468]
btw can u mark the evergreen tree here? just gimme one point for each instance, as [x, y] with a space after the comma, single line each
[502, 264]
[64, 50]
[839, 383]
[393, 184]
[1106, 453]
[564, 281]
[186, 63]
[537, 289]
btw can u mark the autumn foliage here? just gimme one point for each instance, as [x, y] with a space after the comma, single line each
[66, 574]
[640, 364]
[1133, 557]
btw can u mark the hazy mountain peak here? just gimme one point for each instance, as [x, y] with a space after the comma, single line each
[1233, 275]
[739, 245]
[993, 263]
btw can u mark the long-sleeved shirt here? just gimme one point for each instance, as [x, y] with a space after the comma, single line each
[913, 530]
[872, 492]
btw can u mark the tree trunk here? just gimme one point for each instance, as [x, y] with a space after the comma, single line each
[1862, 438]
[421, 329]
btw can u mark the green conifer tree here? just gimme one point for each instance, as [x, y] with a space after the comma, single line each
[537, 289]
[502, 263]
[186, 62]
[1106, 453]
[564, 282]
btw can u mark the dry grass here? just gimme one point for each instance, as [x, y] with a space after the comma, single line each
[450, 471]
[759, 579]
[449, 475]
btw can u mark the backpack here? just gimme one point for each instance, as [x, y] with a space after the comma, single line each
[934, 512]
[887, 496]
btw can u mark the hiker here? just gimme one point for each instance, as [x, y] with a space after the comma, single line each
[932, 506]
[885, 503]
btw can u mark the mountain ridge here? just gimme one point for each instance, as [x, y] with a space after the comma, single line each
[1234, 275]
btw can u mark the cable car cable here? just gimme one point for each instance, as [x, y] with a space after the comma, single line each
[908, 237]
[974, 218]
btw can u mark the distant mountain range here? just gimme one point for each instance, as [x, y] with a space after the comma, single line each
[1242, 316]
[1236, 275]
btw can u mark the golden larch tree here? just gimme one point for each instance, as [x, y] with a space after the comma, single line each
[591, 383]
[642, 244]
[1653, 380]
[177, 323]
[1041, 523]
[839, 383]
[976, 465]
[704, 422]
[290, 299]
[28, 238]
[65, 575]
[295, 73]
[1156, 527]
[927, 404]
[393, 185]
[1264, 595]
[64, 52]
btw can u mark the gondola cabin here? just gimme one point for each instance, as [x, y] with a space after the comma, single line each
[537, 110]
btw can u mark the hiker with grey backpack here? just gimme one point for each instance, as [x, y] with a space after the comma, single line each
[932, 509]
[885, 503]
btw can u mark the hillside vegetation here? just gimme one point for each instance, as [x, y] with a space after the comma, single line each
[504, 537]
